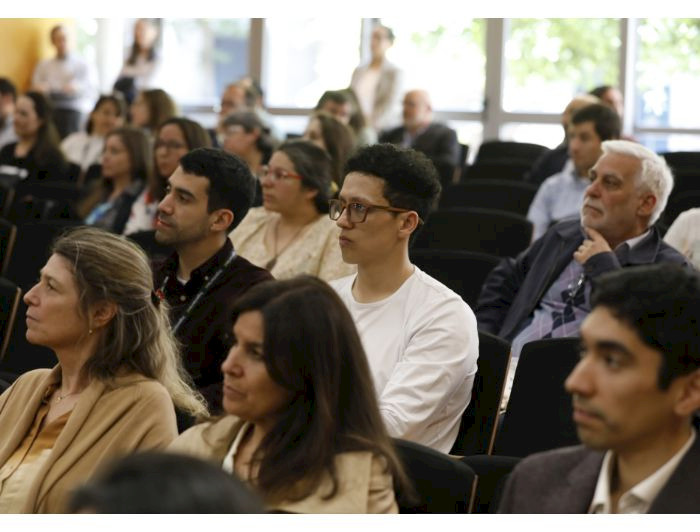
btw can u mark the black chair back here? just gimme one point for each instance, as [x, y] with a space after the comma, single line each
[539, 413]
[7, 196]
[679, 203]
[9, 303]
[477, 429]
[513, 170]
[462, 271]
[154, 249]
[44, 201]
[680, 161]
[499, 233]
[499, 149]
[8, 235]
[442, 483]
[505, 195]
[492, 473]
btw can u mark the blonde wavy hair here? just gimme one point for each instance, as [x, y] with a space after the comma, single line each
[138, 338]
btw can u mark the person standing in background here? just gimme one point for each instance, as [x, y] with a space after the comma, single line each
[67, 81]
[378, 83]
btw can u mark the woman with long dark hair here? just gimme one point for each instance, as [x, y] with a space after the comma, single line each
[37, 153]
[303, 425]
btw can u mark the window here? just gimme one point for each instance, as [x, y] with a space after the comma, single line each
[202, 56]
[302, 58]
[548, 61]
[447, 58]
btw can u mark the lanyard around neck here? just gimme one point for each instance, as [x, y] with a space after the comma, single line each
[202, 291]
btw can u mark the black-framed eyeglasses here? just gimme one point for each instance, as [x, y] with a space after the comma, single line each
[357, 212]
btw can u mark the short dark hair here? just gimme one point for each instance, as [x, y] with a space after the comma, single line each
[231, 184]
[7, 87]
[164, 483]
[311, 347]
[661, 303]
[606, 121]
[315, 167]
[410, 178]
[600, 90]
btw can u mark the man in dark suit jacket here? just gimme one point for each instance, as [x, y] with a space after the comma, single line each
[419, 132]
[635, 392]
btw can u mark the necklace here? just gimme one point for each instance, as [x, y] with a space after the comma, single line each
[275, 253]
[60, 397]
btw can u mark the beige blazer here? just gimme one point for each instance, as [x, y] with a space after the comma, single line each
[365, 486]
[110, 419]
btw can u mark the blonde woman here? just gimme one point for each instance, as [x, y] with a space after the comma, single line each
[116, 381]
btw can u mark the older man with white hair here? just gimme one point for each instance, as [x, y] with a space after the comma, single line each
[544, 292]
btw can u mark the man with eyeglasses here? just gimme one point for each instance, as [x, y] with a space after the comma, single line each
[544, 292]
[207, 196]
[420, 337]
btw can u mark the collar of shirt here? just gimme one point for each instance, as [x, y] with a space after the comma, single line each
[640, 497]
[409, 138]
[201, 274]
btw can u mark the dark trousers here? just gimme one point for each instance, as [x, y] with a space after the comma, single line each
[67, 121]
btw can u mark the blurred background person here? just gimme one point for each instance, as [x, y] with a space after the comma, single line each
[84, 148]
[343, 105]
[151, 108]
[116, 381]
[126, 167]
[245, 135]
[303, 426]
[141, 68]
[684, 235]
[67, 80]
[37, 153]
[162, 483]
[291, 233]
[377, 84]
[8, 96]
[174, 138]
[335, 138]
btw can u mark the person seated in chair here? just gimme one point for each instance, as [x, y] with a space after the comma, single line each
[634, 392]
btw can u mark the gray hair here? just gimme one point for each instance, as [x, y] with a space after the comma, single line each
[655, 175]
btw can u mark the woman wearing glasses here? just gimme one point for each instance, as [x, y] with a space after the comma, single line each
[292, 233]
[174, 138]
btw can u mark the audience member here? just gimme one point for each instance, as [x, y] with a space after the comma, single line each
[37, 154]
[545, 291]
[421, 133]
[420, 337]
[126, 168]
[151, 108]
[343, 105]
[245, 135]
[8, 97]
[174, 138]
[291, 234]
[116, 381]
[163, 483]
[85, 148]
[302, 423]
[334, 137]
[553, 161]
[635, 392]
[612, 97]
[68, 82]
[208, 194]
[141, 68]
[561, 195]
[684, 235]
[244, 95]
[377, 84]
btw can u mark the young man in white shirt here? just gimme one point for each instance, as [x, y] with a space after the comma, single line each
[420, 337]
[635, 393]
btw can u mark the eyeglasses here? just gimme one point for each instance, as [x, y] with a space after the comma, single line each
[169, 145]
[275, 174]
[357, 212]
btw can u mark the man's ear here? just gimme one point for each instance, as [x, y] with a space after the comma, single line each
[102, 313]
[409, 223]
[689, 395]
[647, 204]
[221, 219]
